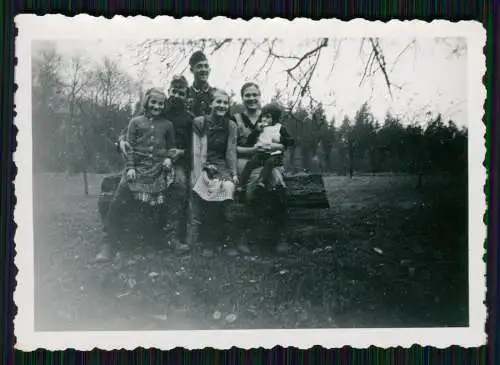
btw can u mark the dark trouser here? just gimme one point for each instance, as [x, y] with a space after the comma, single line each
[120, 206]
[269, 210]
[214, 227]
[178, 202]
[257, 160]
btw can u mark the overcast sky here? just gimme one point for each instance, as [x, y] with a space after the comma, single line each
[431, 77]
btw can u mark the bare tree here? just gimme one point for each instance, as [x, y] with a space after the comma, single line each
[74, 128]
[174, 53]
[46, 101]
[299, 67]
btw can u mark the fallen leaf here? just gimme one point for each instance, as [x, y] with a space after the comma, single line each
[131, 283]
[231, 317]
[253, 311]
[161, 317]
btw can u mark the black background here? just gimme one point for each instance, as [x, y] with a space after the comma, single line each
[483, 11]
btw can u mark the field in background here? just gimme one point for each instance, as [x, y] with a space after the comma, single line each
[384, 255]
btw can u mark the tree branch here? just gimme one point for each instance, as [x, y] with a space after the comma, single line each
[408, 46]
[323, 43]
[380, 60]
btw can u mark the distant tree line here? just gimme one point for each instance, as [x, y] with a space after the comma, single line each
[79, 108]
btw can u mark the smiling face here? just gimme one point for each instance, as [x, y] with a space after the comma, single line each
[179, 93]
[201, 71]
[220, 104]
[177, 96]
[156, 104]
[251, 97]
[266, 120]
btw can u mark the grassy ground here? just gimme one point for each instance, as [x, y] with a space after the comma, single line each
[384, 255]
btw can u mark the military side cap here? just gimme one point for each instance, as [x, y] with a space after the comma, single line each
[196, 57]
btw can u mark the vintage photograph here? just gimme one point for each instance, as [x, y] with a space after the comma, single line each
[214, 183]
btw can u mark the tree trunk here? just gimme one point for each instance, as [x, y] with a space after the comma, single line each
[292, 160]
[419, 181]
[85, 182]
[351, 161]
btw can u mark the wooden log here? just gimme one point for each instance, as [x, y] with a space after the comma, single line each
[306, 191]
[302, 202]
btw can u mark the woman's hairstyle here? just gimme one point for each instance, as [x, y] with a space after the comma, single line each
[149, 93]
[274, 110]
[220, 92]
[246, 85]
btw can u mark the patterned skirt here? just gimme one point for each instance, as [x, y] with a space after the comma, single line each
[151, 184]
[215, 183]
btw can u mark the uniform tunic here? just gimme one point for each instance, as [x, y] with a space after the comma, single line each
[198, 101]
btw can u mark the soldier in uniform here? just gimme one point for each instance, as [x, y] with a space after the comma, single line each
[200, 94]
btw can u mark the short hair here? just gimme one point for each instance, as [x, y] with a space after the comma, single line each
[179, 81]
[274, 110]
[196, 57]
[246, 85]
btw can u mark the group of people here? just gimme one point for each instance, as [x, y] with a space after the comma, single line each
[186, 146]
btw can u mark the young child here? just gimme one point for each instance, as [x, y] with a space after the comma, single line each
[271, 138]
[152, 140]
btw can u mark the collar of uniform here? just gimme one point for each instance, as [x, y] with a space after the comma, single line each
[196, 90]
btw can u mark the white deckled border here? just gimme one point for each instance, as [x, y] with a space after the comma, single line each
[83, 26]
